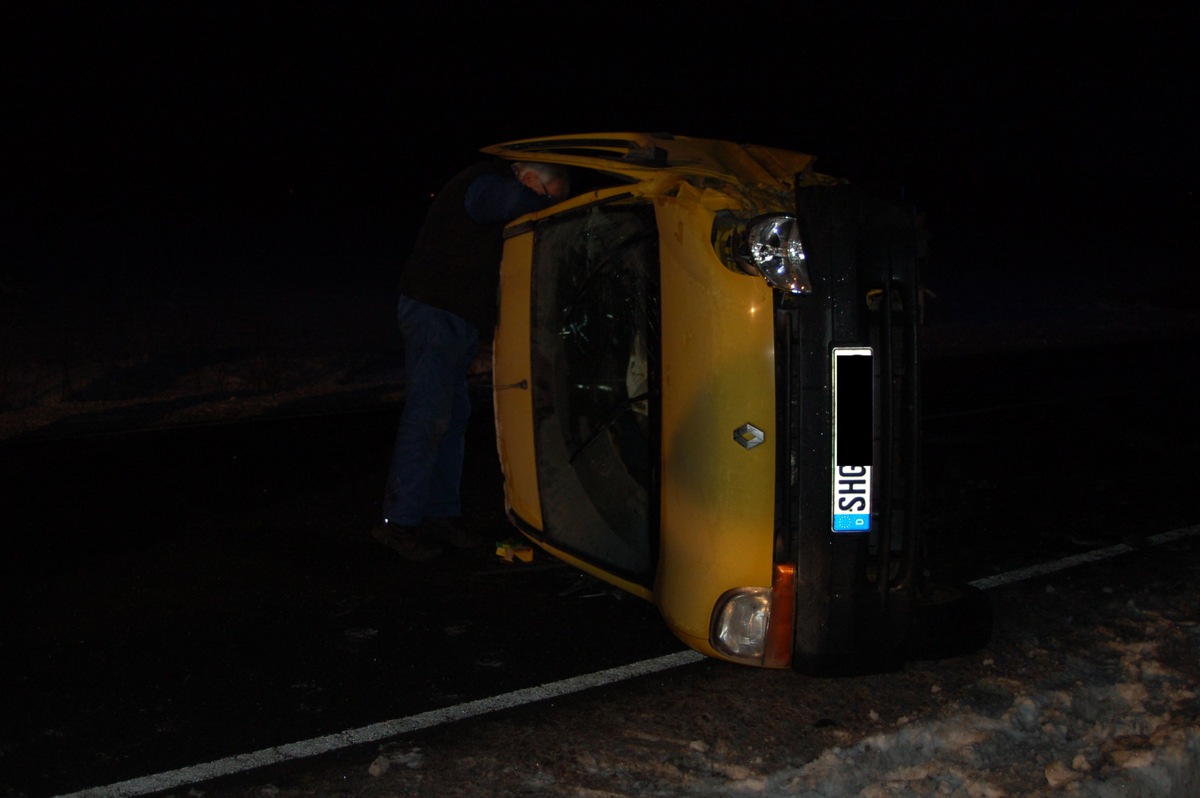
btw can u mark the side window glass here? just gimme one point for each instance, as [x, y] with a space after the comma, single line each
[595, 330]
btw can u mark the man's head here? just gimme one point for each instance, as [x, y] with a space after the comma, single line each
[544, 178]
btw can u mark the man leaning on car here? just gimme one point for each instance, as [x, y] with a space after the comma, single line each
[447, 304]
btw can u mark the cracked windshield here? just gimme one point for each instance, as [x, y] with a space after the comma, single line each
[595, 368]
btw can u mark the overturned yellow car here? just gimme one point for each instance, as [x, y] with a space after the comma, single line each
[706, 394]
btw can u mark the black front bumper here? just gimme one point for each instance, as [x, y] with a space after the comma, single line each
[854, 590]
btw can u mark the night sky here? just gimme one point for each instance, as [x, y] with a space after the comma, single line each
[303, 139]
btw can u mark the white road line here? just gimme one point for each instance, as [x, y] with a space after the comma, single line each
[391, 728]
[379, 731]
[1042, 569]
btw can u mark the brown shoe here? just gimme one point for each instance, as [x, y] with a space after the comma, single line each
[406, 541]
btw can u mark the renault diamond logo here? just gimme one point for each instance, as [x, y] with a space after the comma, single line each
[748, 436]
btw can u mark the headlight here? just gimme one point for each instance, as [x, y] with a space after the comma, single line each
[740, 622]
[767, 245]
[755, 624]
[774, 250]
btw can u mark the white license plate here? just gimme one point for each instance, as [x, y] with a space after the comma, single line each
[853, 438]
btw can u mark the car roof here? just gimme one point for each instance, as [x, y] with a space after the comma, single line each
[644, 155]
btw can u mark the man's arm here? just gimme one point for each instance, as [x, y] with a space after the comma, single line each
[499, 198]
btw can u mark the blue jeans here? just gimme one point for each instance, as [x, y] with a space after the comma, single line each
[427, 460]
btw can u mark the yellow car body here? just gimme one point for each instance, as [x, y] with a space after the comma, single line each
[640, 386]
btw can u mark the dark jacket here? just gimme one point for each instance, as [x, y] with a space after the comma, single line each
[455, 262]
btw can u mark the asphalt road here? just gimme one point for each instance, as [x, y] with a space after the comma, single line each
[173, 597]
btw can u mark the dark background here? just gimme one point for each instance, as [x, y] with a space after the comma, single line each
[174, 170]
[201, 151]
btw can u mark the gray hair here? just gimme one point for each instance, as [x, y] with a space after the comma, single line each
[547, 172]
